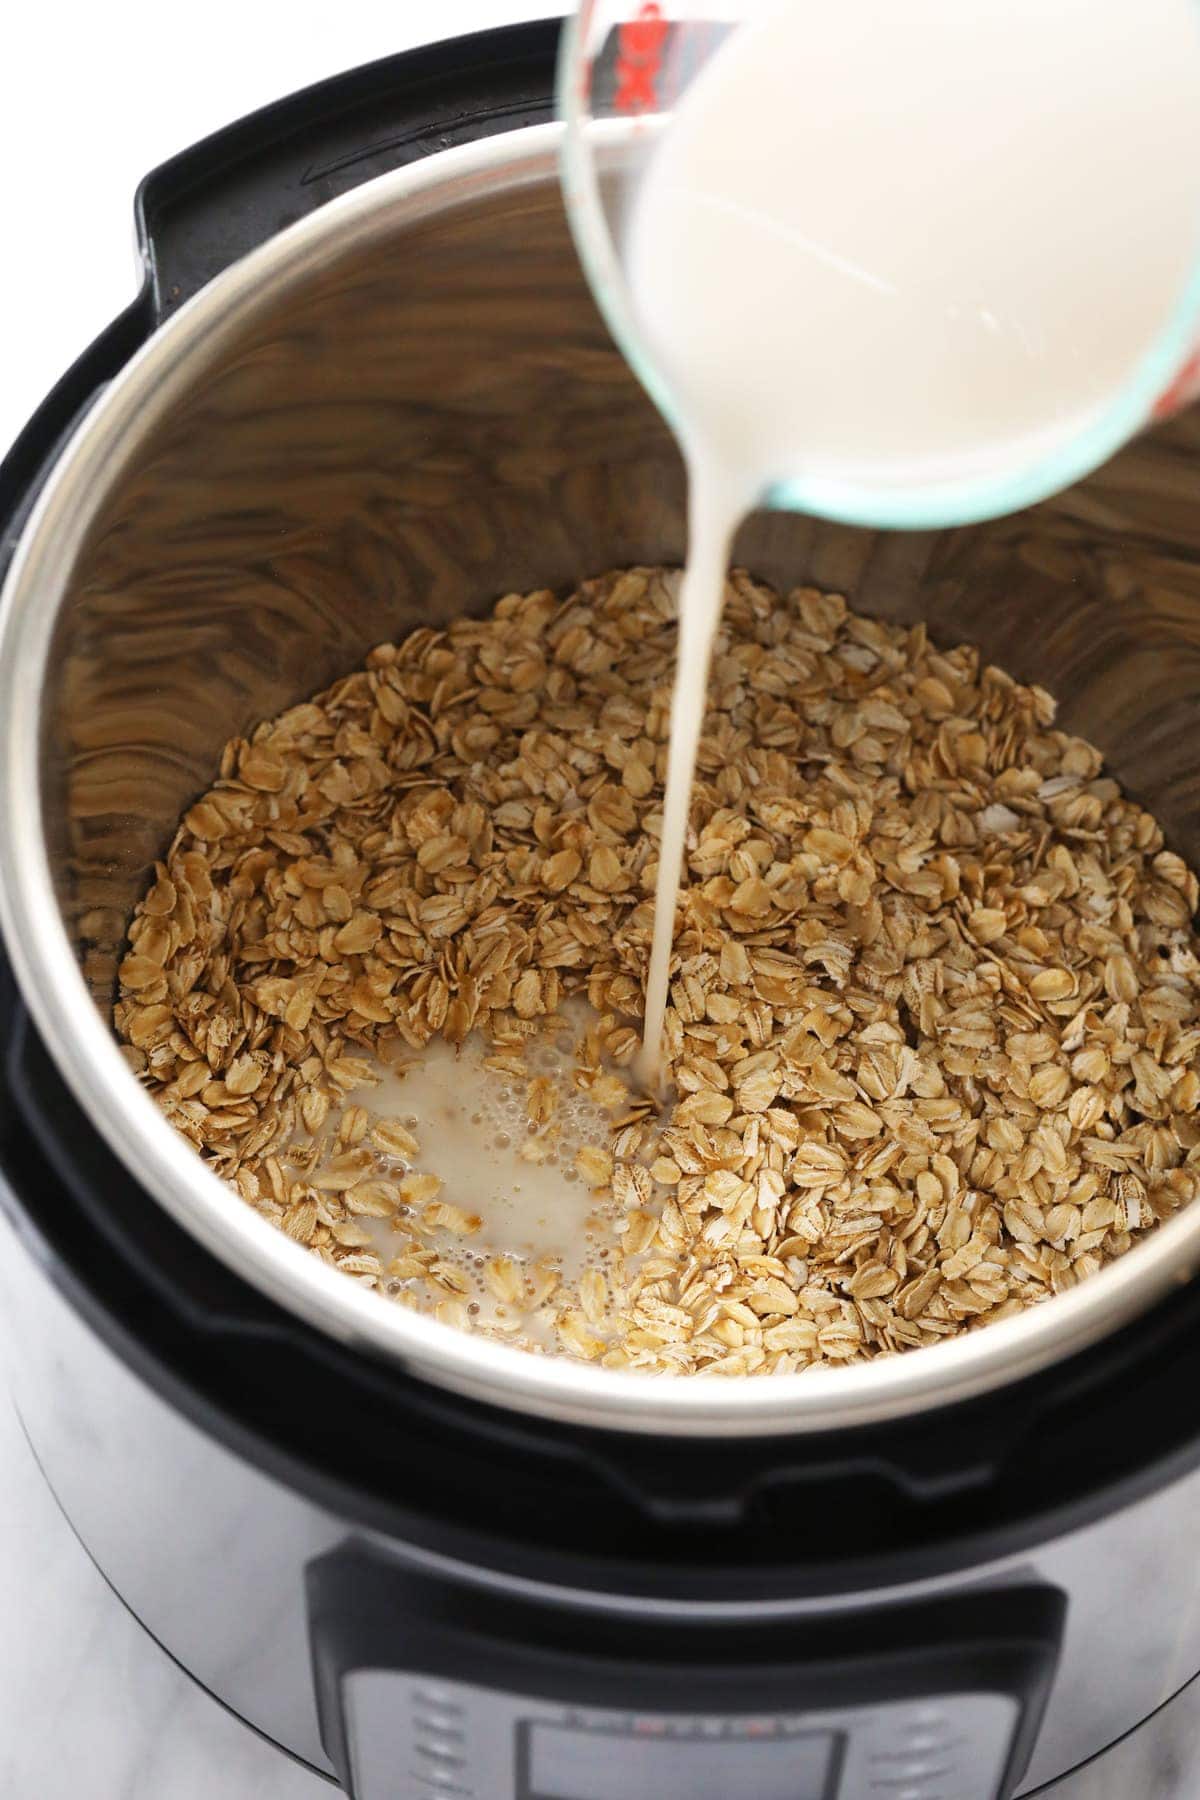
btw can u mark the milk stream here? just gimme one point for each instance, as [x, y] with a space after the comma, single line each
[876, 243]
[879, 245]
[713, 516]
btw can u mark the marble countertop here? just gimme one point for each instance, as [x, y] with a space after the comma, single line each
[90, 1707]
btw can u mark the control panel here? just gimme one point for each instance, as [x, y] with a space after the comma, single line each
[433, 1690]
[451, 1741]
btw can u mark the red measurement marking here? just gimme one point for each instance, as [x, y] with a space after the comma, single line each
[1173, 398]
[639, 58]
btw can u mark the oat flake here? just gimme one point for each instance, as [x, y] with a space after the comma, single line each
[935, 1006]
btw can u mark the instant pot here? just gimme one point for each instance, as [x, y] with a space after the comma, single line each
[365, 388]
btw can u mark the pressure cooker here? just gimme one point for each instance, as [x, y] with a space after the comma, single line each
[365, 388]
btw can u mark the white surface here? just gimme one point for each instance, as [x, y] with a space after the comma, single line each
[90, 1707]
[95, 96]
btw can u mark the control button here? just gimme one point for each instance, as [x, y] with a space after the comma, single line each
[918, 1743]
[905, 1767]
[902, 1777]
[438, 1750]
[929, 1715]
[439, 1696]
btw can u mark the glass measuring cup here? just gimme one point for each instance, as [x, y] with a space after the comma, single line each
[626, 70]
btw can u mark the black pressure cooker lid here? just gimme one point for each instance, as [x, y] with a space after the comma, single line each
[895, 1502]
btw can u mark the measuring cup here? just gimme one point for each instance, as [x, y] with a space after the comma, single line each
[626, 67]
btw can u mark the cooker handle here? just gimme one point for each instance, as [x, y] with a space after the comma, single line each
[211, 204]
[426, 1685]
[35, 451]
[207, 207]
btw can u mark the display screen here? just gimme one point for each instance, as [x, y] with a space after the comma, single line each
[565, 1764]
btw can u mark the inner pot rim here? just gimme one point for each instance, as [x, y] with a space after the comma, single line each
[86, 1052]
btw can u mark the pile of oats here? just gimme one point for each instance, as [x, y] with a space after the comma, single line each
[935, 1011]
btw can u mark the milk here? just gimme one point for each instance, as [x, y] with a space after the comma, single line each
[881, 246]
[475, 1134]
[882, 242]
[712, 520]
[513, 1176]
[878, 245]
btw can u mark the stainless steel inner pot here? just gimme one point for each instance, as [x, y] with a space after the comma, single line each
[393, 413]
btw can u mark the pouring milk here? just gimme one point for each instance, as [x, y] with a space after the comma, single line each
[881, 250]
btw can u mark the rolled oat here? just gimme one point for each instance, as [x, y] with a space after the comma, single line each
[935, 1007]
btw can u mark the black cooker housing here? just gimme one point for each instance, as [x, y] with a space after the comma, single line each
[593, 1509]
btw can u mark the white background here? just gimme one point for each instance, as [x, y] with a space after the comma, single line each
[91, 97]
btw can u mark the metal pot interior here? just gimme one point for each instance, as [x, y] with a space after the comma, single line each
[403, 409]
